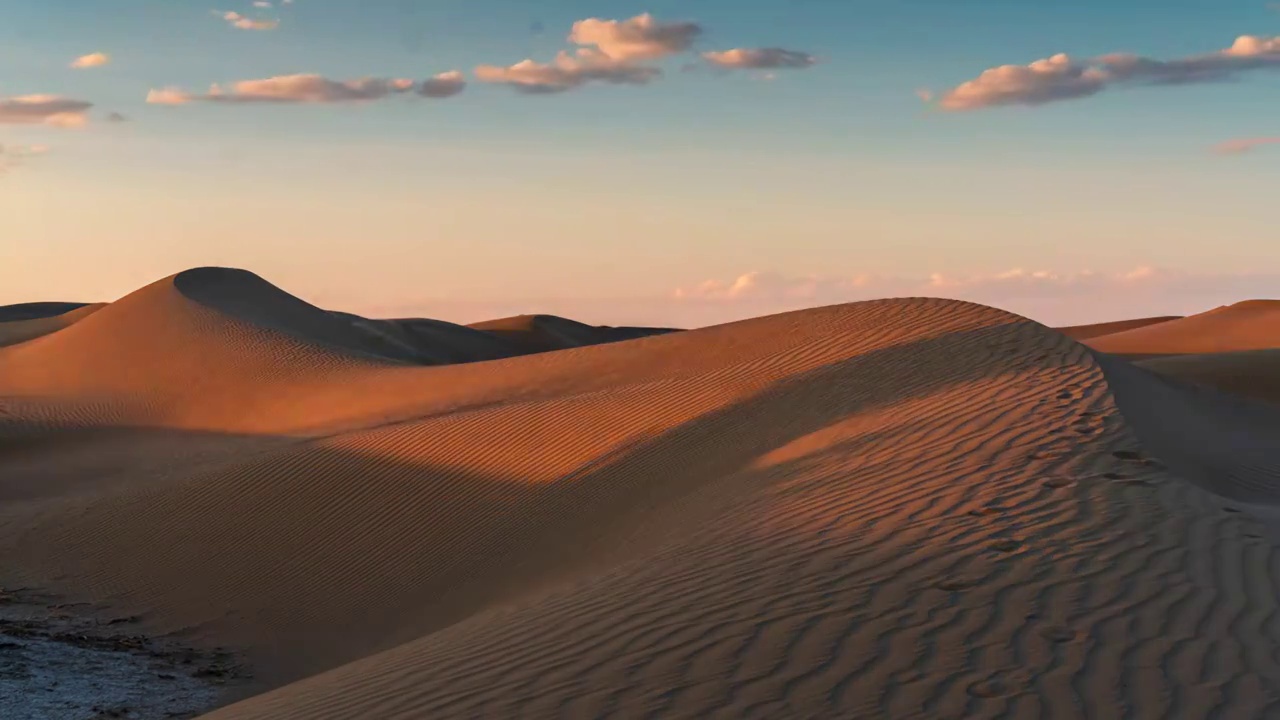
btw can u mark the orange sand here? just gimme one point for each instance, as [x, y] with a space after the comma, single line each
[908, 508]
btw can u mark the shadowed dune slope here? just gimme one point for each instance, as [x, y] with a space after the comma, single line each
[1249, 325]
[1082, 332]
[36, 310]
[545, 333]
[905, 508]
[1248, 373]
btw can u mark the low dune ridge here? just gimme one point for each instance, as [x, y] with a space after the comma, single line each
[36, 310]
[909, 508]
[1248, 325]
[1083, 332]
[17, 331]
[545, 333]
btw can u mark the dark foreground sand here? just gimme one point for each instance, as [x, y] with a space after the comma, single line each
[907, 508]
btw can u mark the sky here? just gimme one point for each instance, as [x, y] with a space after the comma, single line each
[675, 163]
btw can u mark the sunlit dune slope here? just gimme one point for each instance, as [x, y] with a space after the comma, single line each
[1249, 325]
[905, 508]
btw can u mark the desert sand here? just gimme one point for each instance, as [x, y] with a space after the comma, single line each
[904, 508]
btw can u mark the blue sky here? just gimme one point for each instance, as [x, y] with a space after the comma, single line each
[609, 191]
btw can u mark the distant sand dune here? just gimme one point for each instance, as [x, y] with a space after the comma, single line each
[17, 331]
[1249, 325]
[1082, 332]
[36, 310]
[908, 508]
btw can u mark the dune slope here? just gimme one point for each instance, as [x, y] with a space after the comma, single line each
[1082, 332]
[1247, 373]
[1249, 325]
[905, 508]
[17, 331]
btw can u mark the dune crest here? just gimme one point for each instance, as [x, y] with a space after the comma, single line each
[909, 508]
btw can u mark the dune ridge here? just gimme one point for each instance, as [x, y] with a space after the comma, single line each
[1248, 325]
[909, 508]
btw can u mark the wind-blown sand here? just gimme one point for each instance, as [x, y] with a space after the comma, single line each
[908, 508]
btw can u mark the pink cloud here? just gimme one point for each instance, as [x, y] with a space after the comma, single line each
[445, 84]
[639, 38]
[91, 60]
[1243, 145]
[1054, 78]
[759, 58]
[1062, 78]
[241, 22]
[566, 72]
[303, 89]
[1048, 296]
[44, 110]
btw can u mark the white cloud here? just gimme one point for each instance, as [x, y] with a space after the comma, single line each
[44, 110]
[1061, 77]
[639, 38]
[91, 60]
[566, 72]
[445, 84]
[1243, 145]
[304, 88]
[262, 4]
[759, 58]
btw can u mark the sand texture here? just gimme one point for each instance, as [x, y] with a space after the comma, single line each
[908, 508]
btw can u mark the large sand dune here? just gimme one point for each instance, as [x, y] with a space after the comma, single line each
[906, 508]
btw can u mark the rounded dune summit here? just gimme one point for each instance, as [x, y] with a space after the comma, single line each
[909, 508]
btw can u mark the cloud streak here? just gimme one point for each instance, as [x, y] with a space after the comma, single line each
[567, 72]
[241, 22]
[1061, 77]
[44, 110]
[1240, 146]
[12, 156]
[759, 58]
[92, 60]
[310, 89]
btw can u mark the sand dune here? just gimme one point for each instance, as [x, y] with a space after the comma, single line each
[905, 508]
[544, 333]
[17, 331]
[1249, 325]
[1082, 332]
[36, 310]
